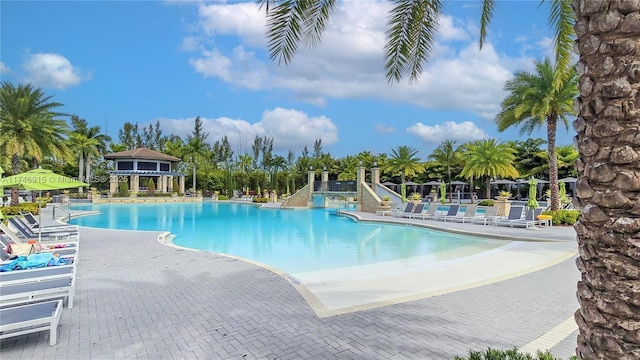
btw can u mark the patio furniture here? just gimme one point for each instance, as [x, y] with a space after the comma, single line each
[490, 215]
[515, 214]
[453, 210]
[27, 291]
[31, 318]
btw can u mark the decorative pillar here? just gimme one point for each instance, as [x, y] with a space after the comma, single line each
[181, 183]
[113, 184]
[360, 178]
[311, 178]
[375, 177]
[170, 184]
[160, 187]
[135, 183]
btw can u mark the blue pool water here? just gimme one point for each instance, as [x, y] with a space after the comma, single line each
[291, 240]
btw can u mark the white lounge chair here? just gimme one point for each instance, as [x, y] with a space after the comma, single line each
[490, 215]
[429, 213]
[31, 318]
[515, 214]
[417, 209]
[21, 292]
[452, 211]
[467, 215]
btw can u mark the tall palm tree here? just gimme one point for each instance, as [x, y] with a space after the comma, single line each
[245, 162]
[29, 126]
[403, 159]
[448, 155]
[278, 162]
[88, 143]
[534, 101]
[196, 149]
[489, 159]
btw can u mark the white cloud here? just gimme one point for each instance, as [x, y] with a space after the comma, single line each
[52, 70]
[461, 132]
[291, 129]
[384, 129]
[349, 63]
[4, 68]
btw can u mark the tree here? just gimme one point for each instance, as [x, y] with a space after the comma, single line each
[278, 163]
[534, 101]
[129, 136]
[29, 126]
[448, 155]
[87, 143]
[489, 159]
[197, 149]
[403, 159]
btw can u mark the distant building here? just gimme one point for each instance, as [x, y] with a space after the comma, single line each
[139, 164]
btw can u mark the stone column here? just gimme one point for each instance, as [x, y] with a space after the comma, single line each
[170, 184]
[135, 183]
[360, 178]
[375, 177]
[160, 188]
[181, 183]
[113, 184]
[311, 177]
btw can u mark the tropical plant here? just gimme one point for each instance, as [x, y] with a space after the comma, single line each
[533, 101]
[489, 159]
[196, 149]
[87, 143]
[29, 127]
[448, 155]
[403, 159]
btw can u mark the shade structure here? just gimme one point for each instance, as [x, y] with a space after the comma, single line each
[38, 180]
[443, 192]
[533, 191]
[503, 182]
[458, 183]
[568, 180]
[412, 184]
[432, 183]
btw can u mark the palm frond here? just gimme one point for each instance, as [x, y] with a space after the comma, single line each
[284, 28]
[561, 19]
[485, 18]
[412, 28]
[316, 20]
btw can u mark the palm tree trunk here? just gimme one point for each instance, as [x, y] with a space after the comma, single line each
[80, 170]
[87, 169]
[487, 188]
[608, 185]
[15, 167]
[553, 161]
[194, 177]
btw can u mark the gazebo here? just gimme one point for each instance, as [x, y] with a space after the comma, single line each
[130, 165]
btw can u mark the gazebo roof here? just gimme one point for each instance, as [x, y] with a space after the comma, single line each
[141, 153]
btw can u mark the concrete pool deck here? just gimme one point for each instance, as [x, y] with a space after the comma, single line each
[137, 298]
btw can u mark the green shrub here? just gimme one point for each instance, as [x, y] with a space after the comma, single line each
[223, 197]
[563, 216]
[485, 202]
[151, 187]
[260, 200]
[123, 189]
[512, 354]
[26, 207]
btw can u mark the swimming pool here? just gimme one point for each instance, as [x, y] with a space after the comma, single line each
[291, 240]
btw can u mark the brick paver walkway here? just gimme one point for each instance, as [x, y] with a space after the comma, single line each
[139, 299]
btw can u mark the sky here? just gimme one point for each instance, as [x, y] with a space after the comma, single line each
[112, 62]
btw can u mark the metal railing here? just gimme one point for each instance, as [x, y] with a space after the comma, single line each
[335, 186]
[65, 211]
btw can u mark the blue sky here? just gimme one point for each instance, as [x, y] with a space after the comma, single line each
[111, 62]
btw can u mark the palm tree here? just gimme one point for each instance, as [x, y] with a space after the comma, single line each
[448, 155]
[245, 162]
[403, 159]
[196, 149]
[534, 101]
[29, 126]
[88, 143]
[489, 159]
[278, 162]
